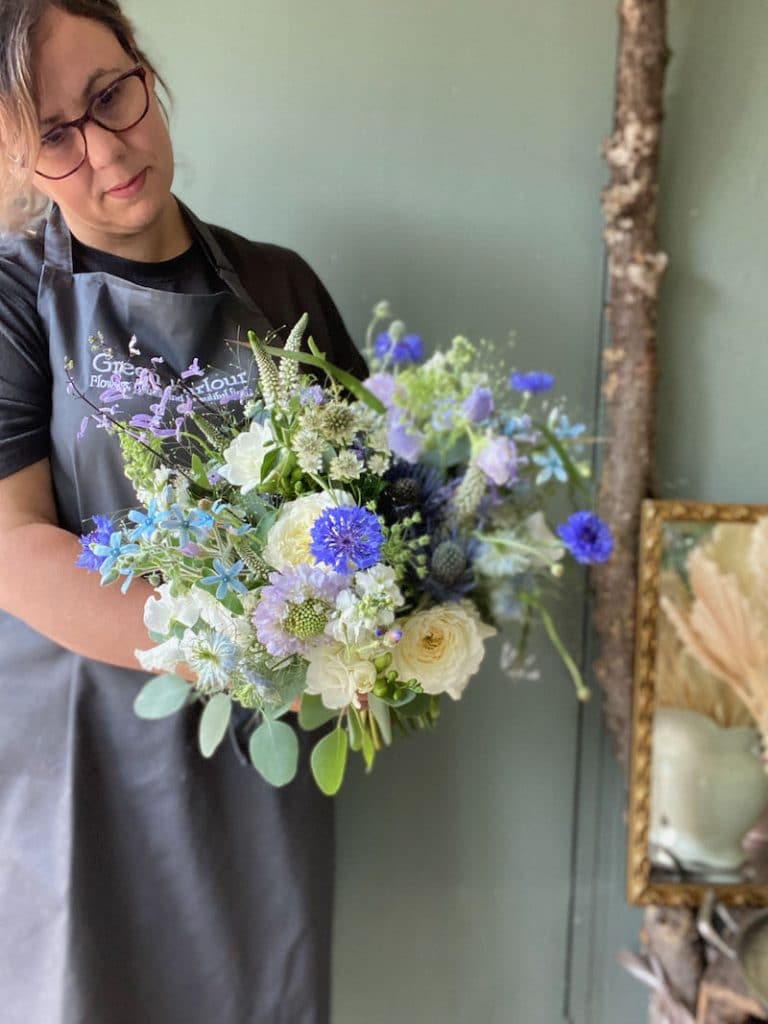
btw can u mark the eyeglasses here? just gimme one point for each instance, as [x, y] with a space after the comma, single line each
[124, 102]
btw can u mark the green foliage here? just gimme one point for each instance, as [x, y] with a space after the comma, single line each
[214, 722]
[274, 752]
[329, 761]
[162, 696]
[313, 713]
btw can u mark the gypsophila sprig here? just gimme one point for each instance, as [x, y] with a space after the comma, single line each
[338, 547]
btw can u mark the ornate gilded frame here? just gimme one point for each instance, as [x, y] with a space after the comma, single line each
[640, 888]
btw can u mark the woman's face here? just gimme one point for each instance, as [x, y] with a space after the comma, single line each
[120, 196]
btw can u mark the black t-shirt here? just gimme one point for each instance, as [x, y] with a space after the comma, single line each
[278, 280]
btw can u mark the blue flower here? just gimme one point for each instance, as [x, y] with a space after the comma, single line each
[312, 395]
[225, 578]
[551, 467]
[145, 524]
[587, 537]
[347, 538]
[111, 553]
[478, 405]
[533, 382]
[407, 349]
[563, 430]
[88, 559]
[195, 522]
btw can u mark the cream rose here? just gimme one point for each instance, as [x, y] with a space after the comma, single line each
[335, 679]
[289, 539]
[442, 647]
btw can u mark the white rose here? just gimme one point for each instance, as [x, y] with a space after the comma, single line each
[335, 679]
[289, 539]
[161, 611]
[245, 456]
[442, 647]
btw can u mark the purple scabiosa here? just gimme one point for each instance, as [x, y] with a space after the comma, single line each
[533, 382]
[587, 537]
[347, 538]
[294, 608]
[399, 350]
[88, 559]
[478, 405]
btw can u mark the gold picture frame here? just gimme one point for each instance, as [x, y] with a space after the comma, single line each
[681, 521]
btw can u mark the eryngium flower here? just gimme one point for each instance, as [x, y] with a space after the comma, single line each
[587, 537]
[347, 538]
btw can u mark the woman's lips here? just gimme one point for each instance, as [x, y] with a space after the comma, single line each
[130, 187]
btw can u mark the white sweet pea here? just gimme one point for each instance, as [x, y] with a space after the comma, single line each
[442, 647]
[338, 679]
[161, 611]
[549, 547]
[162, 658]
[245, 456]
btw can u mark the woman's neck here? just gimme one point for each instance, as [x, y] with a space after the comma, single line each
[167, 236]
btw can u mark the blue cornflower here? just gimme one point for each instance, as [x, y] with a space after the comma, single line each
[88, 559]
[195, 522]
[587, 537]
[551, 467]
[111, 552]
[225, 578]
[347, 538]
[146, 524]
[533, 382]
[407, 349]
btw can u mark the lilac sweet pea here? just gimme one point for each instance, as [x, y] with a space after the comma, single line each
[405, 440]
[478, 405]
[498, 460]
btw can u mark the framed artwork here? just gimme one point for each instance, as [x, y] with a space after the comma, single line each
[698, 816]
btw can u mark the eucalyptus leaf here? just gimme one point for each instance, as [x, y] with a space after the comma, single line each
[314, 713]
[381, 713]
[329, 760]
[419, 705]
[162, 696]
[355, 730]
[274, 752]
[214, 722]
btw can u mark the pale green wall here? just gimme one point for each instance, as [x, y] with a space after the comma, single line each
[446, 156]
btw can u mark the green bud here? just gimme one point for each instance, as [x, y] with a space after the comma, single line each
[391, 676]
[380, 688]
[399, 693]
[382, 662]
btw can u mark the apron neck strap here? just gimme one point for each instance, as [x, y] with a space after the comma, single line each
[57, 252]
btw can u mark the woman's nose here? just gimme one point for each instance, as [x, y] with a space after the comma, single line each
[102, 145]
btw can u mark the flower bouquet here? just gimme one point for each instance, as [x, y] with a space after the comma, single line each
[335, 548]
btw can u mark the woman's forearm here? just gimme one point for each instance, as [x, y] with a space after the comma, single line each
[41, 585]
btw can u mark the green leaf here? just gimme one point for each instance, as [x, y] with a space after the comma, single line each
[369, 751]
[274, 750]
[198, 471]
[352, 384]
[269, 463]
[419, 705]
[162, 696]
[355, 727]
[328, 761]
[213, 723]
[380, 712]
[314, 713]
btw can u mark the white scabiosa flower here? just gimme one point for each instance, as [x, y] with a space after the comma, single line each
[245, 457]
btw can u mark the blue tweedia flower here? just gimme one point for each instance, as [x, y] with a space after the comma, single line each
[407, 349]
[225, 578]
[146, 523]
[112, 552]
[213, 656]
[347, 538]
[194, 523]
[88, 559]
[587, 537]
[294, 608]
[564, 431]
[533, 382]
[551, 467]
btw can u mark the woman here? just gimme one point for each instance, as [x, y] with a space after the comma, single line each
[139, 884]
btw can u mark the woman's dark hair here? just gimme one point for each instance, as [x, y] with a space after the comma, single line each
[20, 202]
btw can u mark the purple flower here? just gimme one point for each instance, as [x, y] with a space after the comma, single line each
[382, 385]
[533, 382]
[478, 405]
[407, 349]
[312, 395]
[347, 538]
[587, 537]
[405, 440]
[193, 370]
[297, 601]
[88, 559]
[498, 460]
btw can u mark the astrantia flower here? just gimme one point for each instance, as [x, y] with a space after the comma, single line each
[294, 608]
[407, 349]
[587, 537]
[347, 538]
[309, 447]
[533, 382]
[88, 559]
[345, 466]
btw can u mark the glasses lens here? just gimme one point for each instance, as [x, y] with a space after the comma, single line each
[121, 105]
[117, 108]
[61, 151]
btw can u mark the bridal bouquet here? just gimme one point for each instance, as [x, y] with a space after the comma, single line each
[340, 548]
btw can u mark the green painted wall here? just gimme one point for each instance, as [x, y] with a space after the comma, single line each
[446, 156]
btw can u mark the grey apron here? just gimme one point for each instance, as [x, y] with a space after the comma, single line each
[139, 883]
